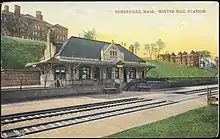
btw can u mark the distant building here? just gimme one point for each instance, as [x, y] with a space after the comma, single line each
[29, 27]
[191, 59]
[207, 63]
[216, 62]
[173, 58]
[184, 58]
[179, 58]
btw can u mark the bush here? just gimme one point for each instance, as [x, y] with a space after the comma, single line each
[17, 52]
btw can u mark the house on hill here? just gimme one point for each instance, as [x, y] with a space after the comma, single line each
[179, 58]
[83, 59]
[173, 58]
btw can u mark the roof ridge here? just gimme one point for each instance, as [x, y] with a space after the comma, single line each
[93, 40]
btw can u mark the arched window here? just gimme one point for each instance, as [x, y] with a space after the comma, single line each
[60, 72]
[132, 74]
[84, 72]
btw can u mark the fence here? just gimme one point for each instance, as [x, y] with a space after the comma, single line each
[210, 98]
[179, 79]
[160, 83]
[62, 83]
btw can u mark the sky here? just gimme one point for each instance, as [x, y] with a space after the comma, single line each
[180, 31]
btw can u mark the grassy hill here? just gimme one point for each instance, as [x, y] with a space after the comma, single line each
[196, 123]
[16, 52]
[167, 69]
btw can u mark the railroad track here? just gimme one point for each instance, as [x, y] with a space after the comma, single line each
[21, 131]
[76, 120]
[194, 91]
[8, 119]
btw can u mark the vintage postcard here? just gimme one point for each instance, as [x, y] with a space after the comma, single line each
[109, 69]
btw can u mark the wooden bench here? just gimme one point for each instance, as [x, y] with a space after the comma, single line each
[110, 90]
[210, 98]
[143, 88]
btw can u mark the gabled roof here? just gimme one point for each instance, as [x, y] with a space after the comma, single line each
[179, 53]
[168, 54]
[173, 54]
[91, 49]
[192, 52]
[184, 53]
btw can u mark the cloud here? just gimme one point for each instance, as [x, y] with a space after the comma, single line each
[197, 19]
[82, 11]
[167, 26]
[77, 11]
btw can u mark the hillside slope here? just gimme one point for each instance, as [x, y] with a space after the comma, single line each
[167, 69]
[16, 52]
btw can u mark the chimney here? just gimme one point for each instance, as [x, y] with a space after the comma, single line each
[41, 17]
[17, 10]
[38, 15]
[6, 8]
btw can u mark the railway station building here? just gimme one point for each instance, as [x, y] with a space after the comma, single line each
[89, 60]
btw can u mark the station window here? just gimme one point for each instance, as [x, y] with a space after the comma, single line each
[60, 72]
[108, 72]
[132, 74]
[116, 73]
[84, 72]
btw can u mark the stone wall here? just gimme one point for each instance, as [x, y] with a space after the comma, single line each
[12, 96]
[18, 77]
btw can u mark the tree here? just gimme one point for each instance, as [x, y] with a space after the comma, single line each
[204, 54]
[152, 49]
[125, 44]
[161, 45]
[16, 52]
[90, 34]
[147, 48]
[15, 26]
[136, 46]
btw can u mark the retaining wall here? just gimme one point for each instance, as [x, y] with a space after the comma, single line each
[12, 96]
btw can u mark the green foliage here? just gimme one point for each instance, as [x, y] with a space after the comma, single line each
[201, 122]
[90, 34]
[204, 54]
[160, 44]
[16, 52]
[167, 69]
[137, 45]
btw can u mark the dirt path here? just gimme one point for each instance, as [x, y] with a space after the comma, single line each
[108, 126]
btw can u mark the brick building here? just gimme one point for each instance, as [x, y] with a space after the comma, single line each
[179, 58]
[191, 59]
[27, 26]
[173, 58]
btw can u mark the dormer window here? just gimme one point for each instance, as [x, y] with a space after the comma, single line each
[113, 53]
